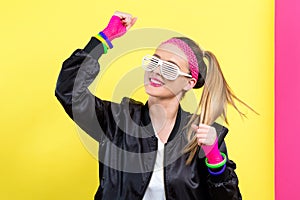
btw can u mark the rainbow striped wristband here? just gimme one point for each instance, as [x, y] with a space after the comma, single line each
[102, 40]
[106, 39]
[104, 48]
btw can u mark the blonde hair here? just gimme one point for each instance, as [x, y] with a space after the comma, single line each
[215, 97]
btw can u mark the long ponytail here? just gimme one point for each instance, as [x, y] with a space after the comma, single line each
[215, 97]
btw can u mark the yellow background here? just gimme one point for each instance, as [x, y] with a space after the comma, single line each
[42, 156]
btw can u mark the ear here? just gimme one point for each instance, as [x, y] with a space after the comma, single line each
[190, 84]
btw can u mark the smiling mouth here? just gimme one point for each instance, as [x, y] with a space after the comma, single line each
[155, 82]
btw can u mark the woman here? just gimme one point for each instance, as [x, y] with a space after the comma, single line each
[156, 150]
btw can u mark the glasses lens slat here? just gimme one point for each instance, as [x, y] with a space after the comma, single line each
[168, 70]
[149, 63]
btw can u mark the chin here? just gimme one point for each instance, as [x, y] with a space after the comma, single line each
[153, 91]
[160, 92]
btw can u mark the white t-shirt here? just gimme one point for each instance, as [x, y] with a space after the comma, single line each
[156, 187]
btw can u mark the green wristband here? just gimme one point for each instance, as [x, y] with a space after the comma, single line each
[217, 165]
[104, 48]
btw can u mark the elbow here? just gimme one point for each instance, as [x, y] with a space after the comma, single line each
[64, 100]
[62, 94]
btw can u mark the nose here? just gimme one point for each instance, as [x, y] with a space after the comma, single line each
[157, 69]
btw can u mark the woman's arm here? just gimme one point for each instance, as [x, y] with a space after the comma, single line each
[92, 114]
[221, 185]
[76, 74]
[224, 186]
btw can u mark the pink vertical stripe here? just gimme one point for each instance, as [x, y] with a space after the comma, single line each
[287, 99]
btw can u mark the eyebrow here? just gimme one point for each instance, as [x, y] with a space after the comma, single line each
[170, 61]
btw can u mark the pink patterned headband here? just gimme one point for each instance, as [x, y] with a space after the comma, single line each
[189, 54]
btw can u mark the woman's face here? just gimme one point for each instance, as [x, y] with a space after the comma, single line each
[158, 86]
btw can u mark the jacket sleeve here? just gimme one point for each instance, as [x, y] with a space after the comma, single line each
[92, 114]
[225, 185]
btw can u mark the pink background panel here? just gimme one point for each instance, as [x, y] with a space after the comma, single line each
[287, 99]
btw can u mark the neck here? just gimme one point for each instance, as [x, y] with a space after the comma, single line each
[163, 114]
[163, 108]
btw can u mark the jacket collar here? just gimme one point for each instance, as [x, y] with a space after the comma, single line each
[181, 121]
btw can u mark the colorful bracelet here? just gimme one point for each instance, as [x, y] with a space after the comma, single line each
[104, 48]
[217, 173]
[220, 164]
[102, 40]
[106, 39]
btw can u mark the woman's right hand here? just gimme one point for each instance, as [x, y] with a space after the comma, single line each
[118, 25]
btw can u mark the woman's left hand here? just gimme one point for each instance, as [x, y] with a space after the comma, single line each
[206, 135]
[208, 140]
[118, 25]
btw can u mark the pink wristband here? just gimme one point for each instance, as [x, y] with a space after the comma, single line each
[212, 153]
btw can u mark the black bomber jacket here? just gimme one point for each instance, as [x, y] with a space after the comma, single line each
[127, 143]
